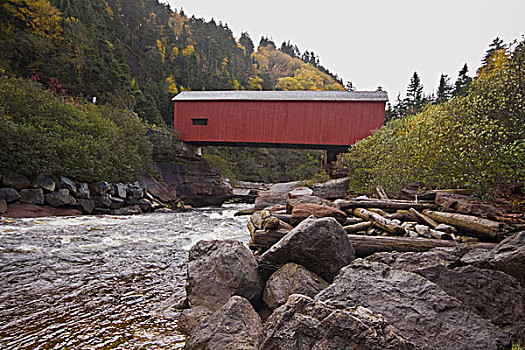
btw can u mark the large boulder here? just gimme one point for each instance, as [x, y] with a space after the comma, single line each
[493, 295]
[320, 245]
[304, 323]
[508, 256]
[120, 190]
[23, 210]
[44, 182]
[291, 279]
[235, 326]
[3, 206]
[63, 183]
[190, 318]
[86, 206]
[83, 191]
[332, 189]
[219, 269]
[303, 211]
[32, 196]
[424, 314]
[411, 261]
[17, 182]
[158, 189]
[196, 183]
[61, 198]
[276, 194]
[292, 202]
[10, 195]
[300, 192]
[99, 188]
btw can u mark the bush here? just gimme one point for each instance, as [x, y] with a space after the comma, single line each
[476, 141]
[46, 134]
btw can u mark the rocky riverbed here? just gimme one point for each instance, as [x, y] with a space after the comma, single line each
[101, 282]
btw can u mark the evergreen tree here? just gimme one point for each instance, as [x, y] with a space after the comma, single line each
[349, 86]
[266, 41]
[290, 49]
[462, 83]
[415, 100]
[247, 42]
[445, 89]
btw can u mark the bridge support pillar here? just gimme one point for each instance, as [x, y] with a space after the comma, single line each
[330, 157]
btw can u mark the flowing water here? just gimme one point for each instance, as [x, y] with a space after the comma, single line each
[101, 282]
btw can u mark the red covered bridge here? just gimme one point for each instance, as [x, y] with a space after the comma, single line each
[329, 120]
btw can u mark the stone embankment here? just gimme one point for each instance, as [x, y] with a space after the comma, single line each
[315, 280]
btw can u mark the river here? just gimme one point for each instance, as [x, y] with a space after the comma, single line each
[101, 282]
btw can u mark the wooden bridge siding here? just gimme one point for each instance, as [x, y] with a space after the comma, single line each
[293, 122]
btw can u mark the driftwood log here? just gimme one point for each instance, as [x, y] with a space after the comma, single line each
[368, 245]
[423, 218]
[379, 221]
[483, 227]
[391, 204]
[362, 226]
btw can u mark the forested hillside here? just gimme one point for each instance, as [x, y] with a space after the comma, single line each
[135, 55]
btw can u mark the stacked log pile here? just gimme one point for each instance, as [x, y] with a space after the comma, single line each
[421, 221]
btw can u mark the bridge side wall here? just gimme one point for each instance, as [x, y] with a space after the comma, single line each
[278, 122]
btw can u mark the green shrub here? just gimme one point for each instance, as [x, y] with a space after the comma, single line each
[476, 141]
[42, 133]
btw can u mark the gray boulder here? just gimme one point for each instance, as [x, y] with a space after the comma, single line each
[103, 201]
[190, 318]
[67, 184]
[332, 189]
[120, 190]
[61, 198]
[303, 323]
[292, 202]
[83, 191]
[493, 295]
[135, 190]
[276, 194]
[17, 182]
[508, 256]
[235, 326]
[157, 188]
[44, 182]
[130, 210]
[291, 279]
[411, 261]
[300, 191]
[99, 188]
[219, 269]
[10, 195]
[32, 196]
[116, 202]
[86, 206]
[418, 308]
[320, 245]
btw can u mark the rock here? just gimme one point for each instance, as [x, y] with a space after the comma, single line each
[116, 202]
[61, 198]
[23, 210]
[83, 191]
[190, 318]
[493, 295]
[67, 184]
[508, 256]
[299, 192]
[130, 201]
[411, 261]
[303, 323]
[10, 195]
[277, 194]
[320, 245]
[303, 211]
[32, 196]
[332, 189]
[17, 182]
[104, 211]
[135, 190]
[273, 223]
[103, 201]
[132, 210]
[244, 195]
[44, 182]
[418, 308]
[292, 202]
[99, 188]
[291, 279]
[86, 206]
[219, 269]
[196, 183]
[120, 190]
[3, 206]
[235, 326]
[145, 205]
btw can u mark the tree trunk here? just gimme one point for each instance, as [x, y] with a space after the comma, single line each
[379, 221]
[383, 204]
[483, 227]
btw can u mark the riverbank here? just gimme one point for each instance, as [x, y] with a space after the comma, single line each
[363, 272]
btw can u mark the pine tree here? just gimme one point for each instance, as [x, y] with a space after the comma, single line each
[462, 83]
[247, 42]
[445, 89]
[415, 100]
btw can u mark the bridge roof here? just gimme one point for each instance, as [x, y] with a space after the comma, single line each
[373, 96]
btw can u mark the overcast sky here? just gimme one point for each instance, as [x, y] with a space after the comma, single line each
[376, 42]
